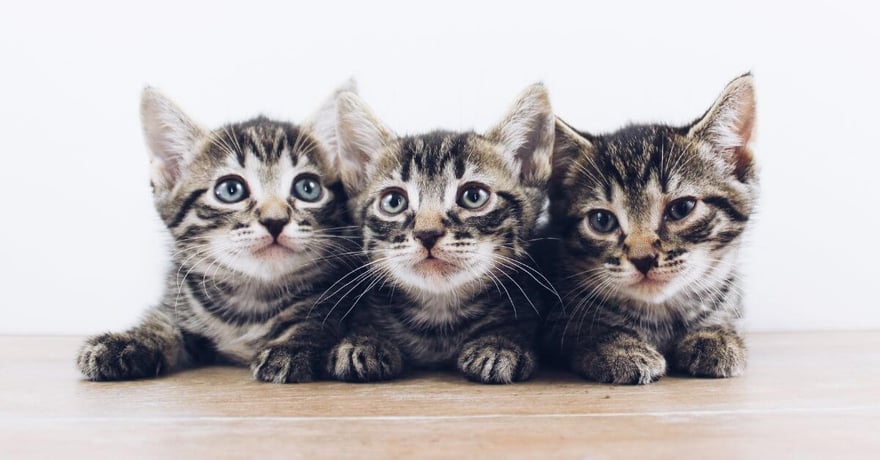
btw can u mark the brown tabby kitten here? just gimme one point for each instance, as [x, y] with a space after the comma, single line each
[258, 218]
[651, 218]
[446, 220]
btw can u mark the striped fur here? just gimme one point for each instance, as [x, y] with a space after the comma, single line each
[446, 285]
[246, 276]
[659, 286]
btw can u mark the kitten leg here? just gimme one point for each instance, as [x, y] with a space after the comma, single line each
[501, 356]
[713, 352]
[619, 358]
[151, 348]
[297, 357]
[364, 357]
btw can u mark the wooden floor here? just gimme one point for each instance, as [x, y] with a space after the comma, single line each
[805, 395]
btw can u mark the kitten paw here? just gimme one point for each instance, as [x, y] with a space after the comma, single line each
[717, 353]
[284, 364]
[118, 356]
[364, 359]
[496, 360]
[628, 362]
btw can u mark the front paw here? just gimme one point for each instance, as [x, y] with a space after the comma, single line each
[119, 356]
[284, 364]
[714, 353]
[496, 360]
[364, 359]
[629, 362]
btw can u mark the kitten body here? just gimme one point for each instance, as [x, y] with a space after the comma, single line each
[446, 220]
[650, 220]
[258, 217]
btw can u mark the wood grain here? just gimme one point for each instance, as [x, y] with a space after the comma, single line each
[805, 395]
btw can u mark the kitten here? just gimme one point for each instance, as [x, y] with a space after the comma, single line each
[446, 220]
[651, 218]
[258, 218]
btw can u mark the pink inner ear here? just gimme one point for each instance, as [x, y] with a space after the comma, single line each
[743, 159]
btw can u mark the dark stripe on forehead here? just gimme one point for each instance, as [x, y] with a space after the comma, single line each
[406, 163]
[264, 138]
[652, 166]
[186, 206]
[459, 166]
[431, 153]
[609, 168]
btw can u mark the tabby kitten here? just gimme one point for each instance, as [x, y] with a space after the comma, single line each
[446, 220]
[651, 218]
[257, 215]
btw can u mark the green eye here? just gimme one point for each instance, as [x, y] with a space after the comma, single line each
[231, 189]
[602, 221]
[473, 196]
[680, 208]
[307, 188]
[393, 202]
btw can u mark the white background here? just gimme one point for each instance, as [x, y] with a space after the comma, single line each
[83, 250]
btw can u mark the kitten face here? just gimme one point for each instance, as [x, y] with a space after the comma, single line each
[649, 213]
[444, 213]
[259, 198]
[263, 198]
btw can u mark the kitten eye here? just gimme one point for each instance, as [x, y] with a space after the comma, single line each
[680, 208]
[307, 188]
[393, 202]
[231, 189]
[473, 196]
[602, 221]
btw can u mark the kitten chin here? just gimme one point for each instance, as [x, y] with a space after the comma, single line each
[650, 219]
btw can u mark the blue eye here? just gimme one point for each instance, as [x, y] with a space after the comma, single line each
[602, 221]
[307, 188]
[680, 208]
[393, 202]
[473, 196]
[231, 189]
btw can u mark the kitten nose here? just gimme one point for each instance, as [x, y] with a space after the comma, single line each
[274, 226]
[644, 264]
[429, 237]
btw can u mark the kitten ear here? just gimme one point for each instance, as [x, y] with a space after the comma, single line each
[361, 136]
[323, 125]
[171, 137]
[526, 133]
[728, 126]
[568, 145]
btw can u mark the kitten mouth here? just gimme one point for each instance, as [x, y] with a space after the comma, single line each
[650, 283]
[650, 286]
[431, 265]
[272, 250]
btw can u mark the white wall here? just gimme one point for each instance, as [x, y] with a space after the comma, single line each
[83, 251]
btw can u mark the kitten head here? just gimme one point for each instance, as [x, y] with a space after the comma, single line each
[651, 212]
[260, 198]
[440, 211]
